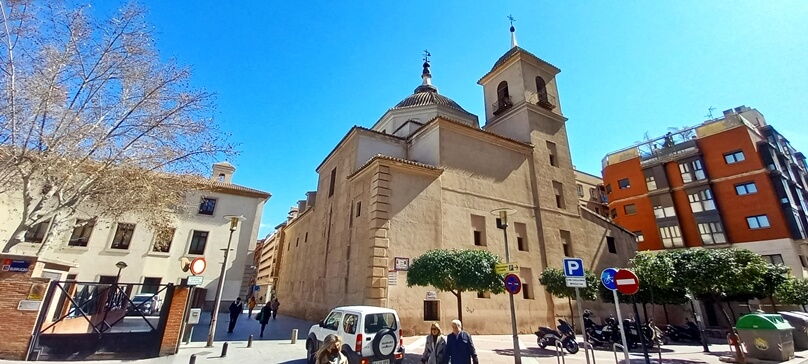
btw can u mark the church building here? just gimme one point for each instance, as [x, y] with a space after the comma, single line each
[427, 176]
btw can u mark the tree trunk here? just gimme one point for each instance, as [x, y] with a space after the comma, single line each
[717, 300]
[645, 311]
[774, 305]
[459, 305]
[572, 315]
[17, 237]
[729, 305]
[665, 308]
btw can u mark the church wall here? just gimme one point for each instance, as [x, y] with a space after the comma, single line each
[426, 148]
[530, 73]
[370, 145]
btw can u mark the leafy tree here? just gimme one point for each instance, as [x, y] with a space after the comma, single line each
[457, 271]
[555, 283]
[793, 291]
[91, 117]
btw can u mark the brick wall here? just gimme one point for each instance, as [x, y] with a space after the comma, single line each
[171, 336]
[16, 325]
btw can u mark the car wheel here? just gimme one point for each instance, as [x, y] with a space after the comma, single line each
[310, 351]
[385, 343]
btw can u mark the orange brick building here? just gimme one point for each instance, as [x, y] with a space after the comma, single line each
[731, 181]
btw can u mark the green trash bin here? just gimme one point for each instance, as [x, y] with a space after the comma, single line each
[766, 336]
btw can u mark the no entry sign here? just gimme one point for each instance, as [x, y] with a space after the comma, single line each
[627, 282]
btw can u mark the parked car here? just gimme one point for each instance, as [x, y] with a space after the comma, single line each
[370, 335]
[146, 304]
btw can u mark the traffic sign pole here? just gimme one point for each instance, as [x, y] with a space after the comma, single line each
[517, 355]
[639, 329]
[620, 324]
[583, 325]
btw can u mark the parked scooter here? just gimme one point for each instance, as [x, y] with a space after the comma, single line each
[601, 335]
[547, 336]
[689, 332]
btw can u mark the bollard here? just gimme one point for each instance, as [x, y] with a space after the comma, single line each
[224, 350]
[192, 360]
[249, 341]
[294, 336]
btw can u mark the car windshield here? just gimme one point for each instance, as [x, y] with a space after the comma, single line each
[139, 299]
[376, 322]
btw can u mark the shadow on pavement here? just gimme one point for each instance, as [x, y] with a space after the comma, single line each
[296, 361]
[532, 352]
[277, 329]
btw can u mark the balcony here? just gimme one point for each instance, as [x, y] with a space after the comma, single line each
[501, 105]
[542, 99]
[668, 152]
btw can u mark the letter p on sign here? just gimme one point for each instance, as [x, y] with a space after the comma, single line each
[573, 267]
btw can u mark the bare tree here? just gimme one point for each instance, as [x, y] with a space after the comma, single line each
[91, 119]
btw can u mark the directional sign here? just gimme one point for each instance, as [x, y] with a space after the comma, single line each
[627, 282]
[607, 278]
[573, 267]
[503, 268]
[513, 283]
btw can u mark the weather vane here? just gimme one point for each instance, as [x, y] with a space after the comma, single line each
[426, 55]
[510, 17]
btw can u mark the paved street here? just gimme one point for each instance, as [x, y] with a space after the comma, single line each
[277, 329]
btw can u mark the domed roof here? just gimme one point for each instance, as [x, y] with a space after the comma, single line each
[428, 97]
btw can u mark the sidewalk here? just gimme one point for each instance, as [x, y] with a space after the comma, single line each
[277, 329]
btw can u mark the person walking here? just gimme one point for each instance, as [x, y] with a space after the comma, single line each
[263, 318]
[250, 305]
[435, 347]
[275, 305]
[236, 309]
[331, 351]
[459, 346]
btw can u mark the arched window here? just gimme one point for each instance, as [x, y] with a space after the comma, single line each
[502, 91]
[503, 98]
[541, 88]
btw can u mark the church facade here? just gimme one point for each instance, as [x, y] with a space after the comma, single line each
[427, 176]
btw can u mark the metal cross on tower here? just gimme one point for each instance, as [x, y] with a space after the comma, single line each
[511, 18]
[426, 55]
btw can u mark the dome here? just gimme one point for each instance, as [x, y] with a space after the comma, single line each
[424, 97]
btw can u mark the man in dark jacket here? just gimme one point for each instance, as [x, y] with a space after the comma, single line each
[236, 309]
[459, 347]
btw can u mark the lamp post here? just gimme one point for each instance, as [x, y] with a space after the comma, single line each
[111, 296]
[502, 223]
[217, 301]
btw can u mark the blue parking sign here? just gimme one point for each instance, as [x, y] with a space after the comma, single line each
[573, 267]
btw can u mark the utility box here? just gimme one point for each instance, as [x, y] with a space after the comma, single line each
[766, 337]
[194, 315]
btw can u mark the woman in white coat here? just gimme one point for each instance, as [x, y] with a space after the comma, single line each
[435, 347]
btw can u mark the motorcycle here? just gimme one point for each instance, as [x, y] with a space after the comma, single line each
[601, 335]
[565, 335]
[654, 334]
[690, 332]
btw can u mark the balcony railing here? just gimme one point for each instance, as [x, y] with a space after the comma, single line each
[542, 99]
[501, 105]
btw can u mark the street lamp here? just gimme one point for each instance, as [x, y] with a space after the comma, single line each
[502, 223]
[113, 294]
[217, 301]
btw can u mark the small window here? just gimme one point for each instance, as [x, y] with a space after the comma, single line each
[613, 213]
[758, 222]
[485, 294]
[671, 237]
[580, 190]
[774, 258]
[162, 240]
[802, 261]
[624, 183]
[702, 201]
[151, 285]
[630, 209]
[559, 194]
[611, 245]
[650, 182]
[81, 233]
[712, 233]
[199, 239]
[431, 310]
[359, 209]
[333, 181]
[608, 188]
[297, 242]
[734, 157]
[521, 236]
[350, 323]
[478, 238]
[37, 232]
[306, 237]
[527, 291]
[207, 206]
[640, 236]
[520, 243]
[566, 241]
[662, 212]
[553, 152]
[333, 321]
[745, 188]
[123, 236]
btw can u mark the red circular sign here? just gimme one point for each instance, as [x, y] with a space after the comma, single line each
[198, 266]
[627, 282]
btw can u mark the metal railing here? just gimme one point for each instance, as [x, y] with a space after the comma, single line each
[615, 346]
[542, 99]
[560, 359]
[501, 105]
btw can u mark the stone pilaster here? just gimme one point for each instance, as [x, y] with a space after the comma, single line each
[377, 249]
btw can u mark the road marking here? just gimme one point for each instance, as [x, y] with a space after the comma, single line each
[621, 282]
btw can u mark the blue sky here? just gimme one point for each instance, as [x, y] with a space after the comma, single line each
[292, 77]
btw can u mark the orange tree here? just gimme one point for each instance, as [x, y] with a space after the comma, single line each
[456, 271]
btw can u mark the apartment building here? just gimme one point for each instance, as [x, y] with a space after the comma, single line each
[733, 181]
[591, 192]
